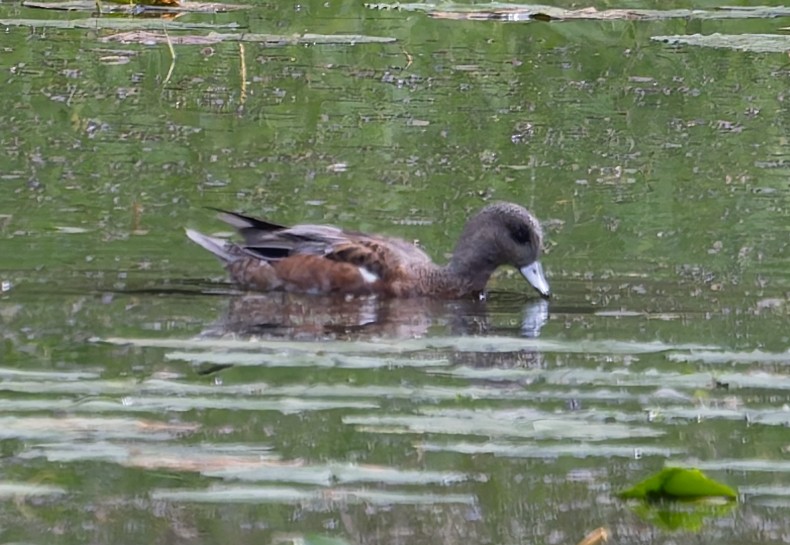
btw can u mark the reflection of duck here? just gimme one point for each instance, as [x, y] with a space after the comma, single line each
[308, 317]
[321, 259]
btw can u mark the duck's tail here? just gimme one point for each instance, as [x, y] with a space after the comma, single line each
[217, 246]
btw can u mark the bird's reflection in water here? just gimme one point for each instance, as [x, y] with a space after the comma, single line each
[310, 317]
[534, 317]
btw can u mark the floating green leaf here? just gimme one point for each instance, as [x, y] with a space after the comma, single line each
[678, 483]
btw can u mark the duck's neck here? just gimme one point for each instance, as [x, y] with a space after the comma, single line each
[473, 270]
[475, 256]
[457, 279]
[441, 281]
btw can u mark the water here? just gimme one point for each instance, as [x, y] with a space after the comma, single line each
[145, 400]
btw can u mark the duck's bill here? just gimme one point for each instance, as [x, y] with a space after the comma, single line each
[534, 275]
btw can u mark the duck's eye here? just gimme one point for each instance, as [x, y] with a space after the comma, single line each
[521, 234]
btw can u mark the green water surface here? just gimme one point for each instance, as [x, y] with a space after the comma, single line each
[144, 400]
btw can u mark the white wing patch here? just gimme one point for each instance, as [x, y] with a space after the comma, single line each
[367, 276]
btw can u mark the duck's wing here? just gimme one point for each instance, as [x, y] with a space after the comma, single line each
[247, 225]
[384, 257]
[272, 242]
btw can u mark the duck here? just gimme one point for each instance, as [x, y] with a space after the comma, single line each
[327, 260]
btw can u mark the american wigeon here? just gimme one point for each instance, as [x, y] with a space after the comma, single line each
[322, 259]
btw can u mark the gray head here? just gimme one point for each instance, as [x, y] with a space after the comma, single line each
[500, 234]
